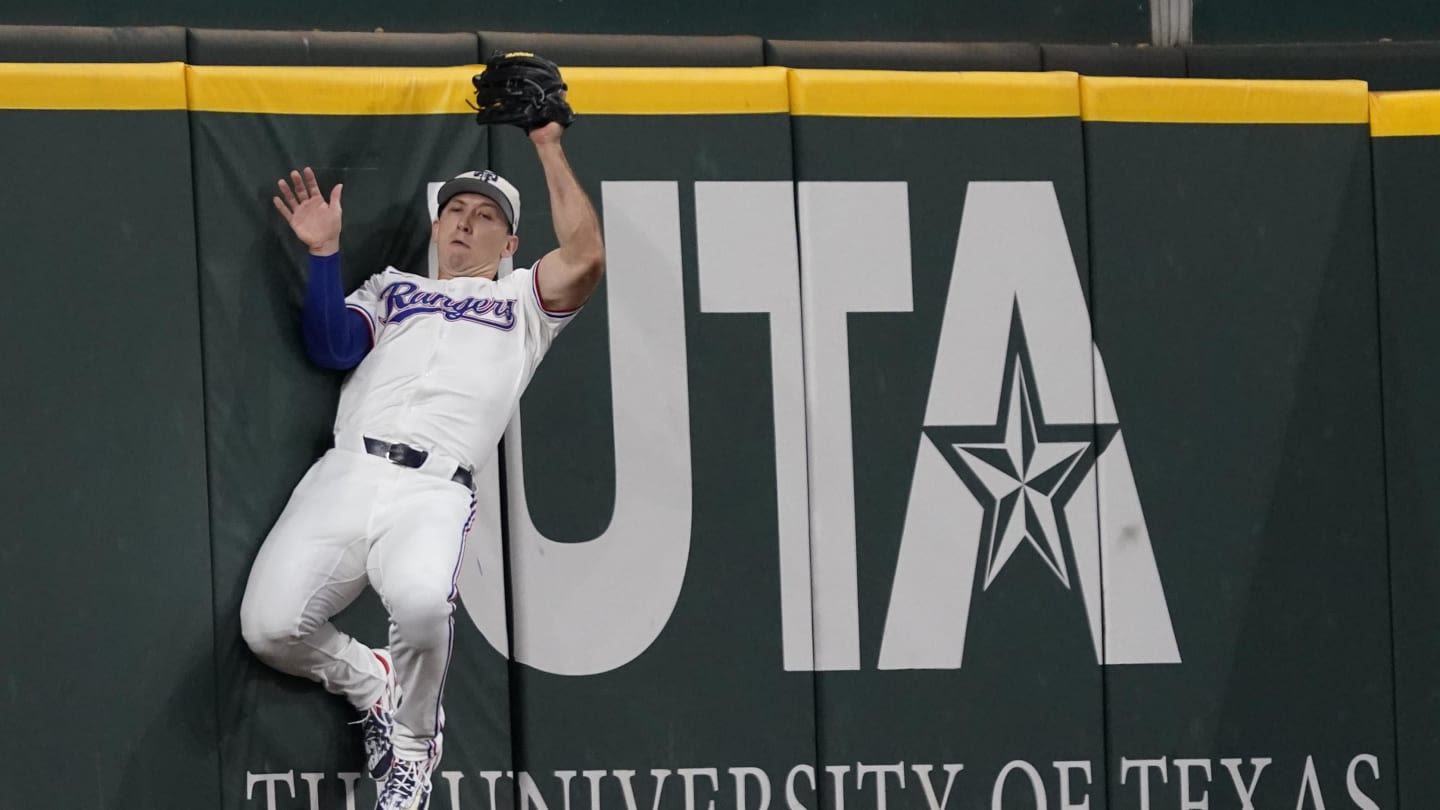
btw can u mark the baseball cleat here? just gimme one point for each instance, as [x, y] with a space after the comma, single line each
[378, 723]
[407, 786]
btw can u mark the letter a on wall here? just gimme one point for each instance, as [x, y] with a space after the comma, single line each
[1022, 450]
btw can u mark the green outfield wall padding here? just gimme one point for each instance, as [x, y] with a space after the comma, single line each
[945, 276]
[270, 412]
[656, 476]
[1405, 170]
[935, 439]
[105, 589]
[1235, 309]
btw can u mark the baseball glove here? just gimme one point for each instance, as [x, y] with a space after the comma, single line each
[523, 89]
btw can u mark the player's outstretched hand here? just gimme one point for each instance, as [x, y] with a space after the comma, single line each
[315, 220]
[550, 133]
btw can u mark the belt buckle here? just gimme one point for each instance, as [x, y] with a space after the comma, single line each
[407, 456]
[396, 453]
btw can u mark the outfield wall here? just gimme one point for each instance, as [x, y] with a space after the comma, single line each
[962, 440]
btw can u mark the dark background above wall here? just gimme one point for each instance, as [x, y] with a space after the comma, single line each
[1126, 21]
[1317, 21]
[1384, 65]
[1088, 21]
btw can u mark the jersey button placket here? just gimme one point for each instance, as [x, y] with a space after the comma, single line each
[421, 382]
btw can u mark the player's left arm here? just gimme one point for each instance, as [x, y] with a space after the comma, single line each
[567, 275]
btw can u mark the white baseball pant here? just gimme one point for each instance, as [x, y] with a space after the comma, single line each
[356, 518]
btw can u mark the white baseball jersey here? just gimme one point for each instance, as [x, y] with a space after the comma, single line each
[449, 361]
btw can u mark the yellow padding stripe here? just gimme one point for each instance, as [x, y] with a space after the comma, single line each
[1415, 112]
[1224, 101]
[677, 91]
[699, 91]
[911, 94]
[438, 91]
[78, 86]
[331, 90]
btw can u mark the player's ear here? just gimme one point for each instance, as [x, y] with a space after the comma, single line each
[512, 244]
[435, 230]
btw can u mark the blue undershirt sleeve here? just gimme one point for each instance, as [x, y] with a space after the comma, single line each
[335, 336]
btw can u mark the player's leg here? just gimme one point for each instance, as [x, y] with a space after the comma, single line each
[414, 566]
[310, 567]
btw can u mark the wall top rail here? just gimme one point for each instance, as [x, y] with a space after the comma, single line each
[440, 91]
[1404, 114]
[909, 94]
[1224, 101]
[722, 91]
[329, 90]
[86, 86]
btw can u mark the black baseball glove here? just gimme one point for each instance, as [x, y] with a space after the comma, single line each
[523, 89]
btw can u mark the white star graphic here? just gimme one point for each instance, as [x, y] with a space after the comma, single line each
[1022, 475]
[1021, 469]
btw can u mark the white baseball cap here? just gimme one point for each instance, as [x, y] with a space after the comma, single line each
[488, 184]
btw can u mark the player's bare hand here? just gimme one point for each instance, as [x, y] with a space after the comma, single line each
[550, 133]
[315, 220]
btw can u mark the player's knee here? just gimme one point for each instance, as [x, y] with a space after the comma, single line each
[423, 620]
[267, 646]
[267, 638]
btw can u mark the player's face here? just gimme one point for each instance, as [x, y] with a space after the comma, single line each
[472, 236]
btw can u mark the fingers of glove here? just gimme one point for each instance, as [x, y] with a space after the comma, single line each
[495, 92]
[543, 65]
[556, 109]
[504, 106]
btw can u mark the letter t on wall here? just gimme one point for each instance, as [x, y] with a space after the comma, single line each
[749, 262]
[854, 257]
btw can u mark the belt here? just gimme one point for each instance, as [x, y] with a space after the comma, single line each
[413, 457]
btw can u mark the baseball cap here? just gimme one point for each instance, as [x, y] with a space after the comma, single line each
[488, 184]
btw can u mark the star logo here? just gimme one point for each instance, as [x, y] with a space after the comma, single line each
[1023, 470]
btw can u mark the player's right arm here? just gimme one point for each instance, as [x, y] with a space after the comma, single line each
[335, 336]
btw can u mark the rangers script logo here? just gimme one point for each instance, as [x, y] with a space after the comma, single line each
[402, 301]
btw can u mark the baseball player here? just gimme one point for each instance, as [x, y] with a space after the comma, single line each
[438, 369]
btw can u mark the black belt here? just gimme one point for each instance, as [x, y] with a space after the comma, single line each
[413, 457]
